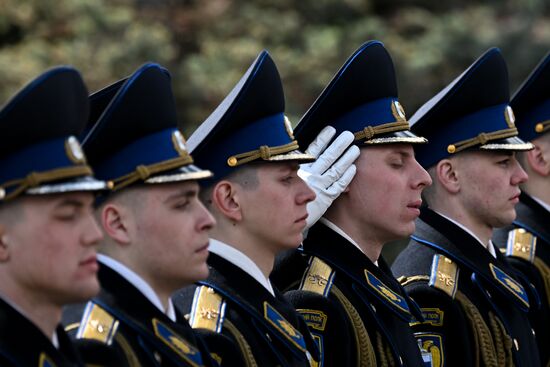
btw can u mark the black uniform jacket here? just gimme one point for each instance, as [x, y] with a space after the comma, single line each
[22, 344]
[267, 329]
[134, 330]
[357, 311]
[527, 245]
[475, 307]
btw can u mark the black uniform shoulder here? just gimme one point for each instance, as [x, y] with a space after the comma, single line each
[288, 269]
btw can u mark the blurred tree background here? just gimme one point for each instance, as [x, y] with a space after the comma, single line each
[208, 44]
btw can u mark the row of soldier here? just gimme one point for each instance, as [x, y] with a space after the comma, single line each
[237, 248]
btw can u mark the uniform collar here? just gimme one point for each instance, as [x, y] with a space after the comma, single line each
[490, 247]
[338, 230]
[139, 283]
[444, 236]
[353, 268]
[542, 203]
[240, 260]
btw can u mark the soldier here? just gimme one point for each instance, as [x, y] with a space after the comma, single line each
[355, 308]
[475, 309]
[156, 228]
[48, 235]
[259, 203]
[527, 241]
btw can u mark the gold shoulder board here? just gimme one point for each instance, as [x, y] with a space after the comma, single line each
[318, 277]
[97, 324]
[208, 310]
[444, 275]
[521, 244]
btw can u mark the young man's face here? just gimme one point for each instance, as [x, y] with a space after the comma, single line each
[52, 247]
[489, 186]
[169, 230]
[385, 193]
[274, 212]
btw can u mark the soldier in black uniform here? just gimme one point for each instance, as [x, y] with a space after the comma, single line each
[48, 236]
[156, 228]
[259, 204]
[475, 307]
[527, 241]
[355, 308]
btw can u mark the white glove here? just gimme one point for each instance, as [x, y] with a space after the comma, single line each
[331, 173]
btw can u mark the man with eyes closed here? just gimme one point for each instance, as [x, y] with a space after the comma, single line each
[156, 229]
[357, 312]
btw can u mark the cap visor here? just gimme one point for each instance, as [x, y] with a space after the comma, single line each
[511, 144]
[294, 155]
[87, 183]
[186, 173]
[398, 137]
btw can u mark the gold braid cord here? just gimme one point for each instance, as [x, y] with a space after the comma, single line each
[369, 132]
[131, 357]
[365, 352]
[503, 342]
[481, 139]
[264, 152]
[384, 353]
[143, 172]
[486, 354]
[243, 344]
[544, 271]
[34, 179]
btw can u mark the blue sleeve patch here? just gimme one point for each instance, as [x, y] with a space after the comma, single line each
[284, 327]
[392, 297]
[186, 351]
[510, 284]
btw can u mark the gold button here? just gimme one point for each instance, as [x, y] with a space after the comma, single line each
[232, 161]
[539, 127]
[451, 148]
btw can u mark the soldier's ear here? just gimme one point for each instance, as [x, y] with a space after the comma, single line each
[227, 200]
[4, 245]
[114, 223]
[539, 159]
[447, 175]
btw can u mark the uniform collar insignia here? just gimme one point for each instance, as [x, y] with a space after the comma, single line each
[522, 244]
[284, 327]
[392, 297]
[45, 361]
[510, 284]
[177, 343]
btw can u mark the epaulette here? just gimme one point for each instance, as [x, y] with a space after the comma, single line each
[444, 275]
[521, 244]
[318, 277]
[97, 324]
[208, 310]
